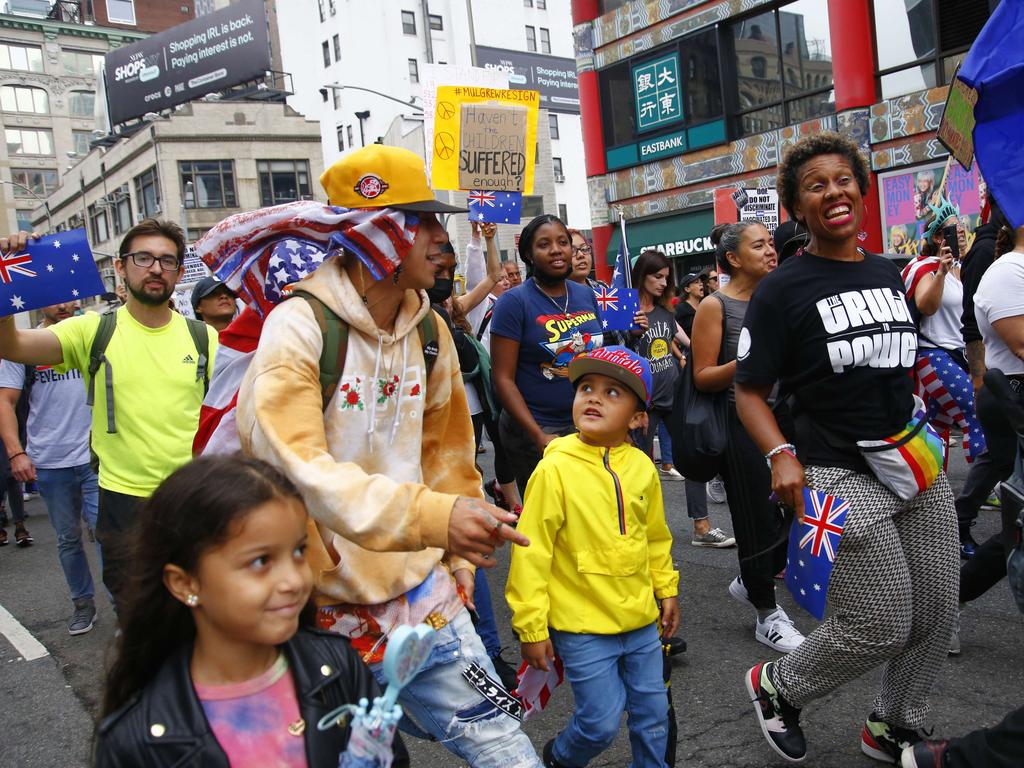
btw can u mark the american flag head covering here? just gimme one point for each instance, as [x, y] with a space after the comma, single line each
[258, 253]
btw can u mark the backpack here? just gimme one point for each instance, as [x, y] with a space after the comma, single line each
[97, 358]
[335, 334]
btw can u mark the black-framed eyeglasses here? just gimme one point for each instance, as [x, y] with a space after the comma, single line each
[582, 249]
[145, 259]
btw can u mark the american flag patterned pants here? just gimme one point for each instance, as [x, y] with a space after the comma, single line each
[892, 598]
[946, 389]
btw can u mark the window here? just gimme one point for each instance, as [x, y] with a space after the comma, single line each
[325, 47]
[563, 210]
[436, 22]
[556, 166]
[323, 16]
[408, 22]
[27, 58]
[99, 225]
[531, 38]
[553, 124]
[336, 92]
[337, 47]
[333, 7]
[545, 41]
[213, 183]
[147, 193]
[81, 141]
[121, 11]
[24, 217]
[81, 63]
[82, 103]
[542, 4]
[920, 43]
[783, 65]
[341, 138]
[40, 181]
[528, 3]
[283, 181]
[351, 141]
[414, 71]
[29, 141]
[21, 98]
[122, 209]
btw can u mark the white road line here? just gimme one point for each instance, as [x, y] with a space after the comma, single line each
[22, 640]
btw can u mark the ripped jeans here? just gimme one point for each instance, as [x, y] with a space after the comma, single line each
[440, 704]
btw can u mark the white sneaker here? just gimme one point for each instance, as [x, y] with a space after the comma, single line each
[739, 592]
[716, 490]
[671, 473]
[777, 632]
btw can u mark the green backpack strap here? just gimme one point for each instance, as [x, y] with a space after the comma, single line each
[335, 344]
[427, 330]
[201, 338]
[97, 358]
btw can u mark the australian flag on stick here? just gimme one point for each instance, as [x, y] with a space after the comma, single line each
[812, 549]
[621, 302]
[51, 270]
[495, 207]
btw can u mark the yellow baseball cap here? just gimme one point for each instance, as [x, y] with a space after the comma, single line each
[379, 176]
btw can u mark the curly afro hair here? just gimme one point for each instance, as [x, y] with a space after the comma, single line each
[825, 143]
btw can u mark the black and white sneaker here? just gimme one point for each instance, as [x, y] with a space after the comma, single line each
[780, 721]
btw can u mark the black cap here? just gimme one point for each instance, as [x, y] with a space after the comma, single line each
[692, 277]
[789, 237]
[205, 287]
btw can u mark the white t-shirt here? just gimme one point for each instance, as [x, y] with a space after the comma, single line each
[58, 418]
[943, 328]
[1000, 295]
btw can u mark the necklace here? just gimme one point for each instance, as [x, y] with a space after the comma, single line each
[564, 310]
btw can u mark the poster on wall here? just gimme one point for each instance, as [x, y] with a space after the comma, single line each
[904, 202]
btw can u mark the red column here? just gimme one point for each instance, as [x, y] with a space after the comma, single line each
[584, 12]
[853, 53]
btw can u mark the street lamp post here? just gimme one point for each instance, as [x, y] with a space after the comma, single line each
[45, 202]
[338, 87]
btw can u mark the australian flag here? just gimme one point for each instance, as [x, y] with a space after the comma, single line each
[812, 549]
[621, 302]
[495, 207]
[51, 270]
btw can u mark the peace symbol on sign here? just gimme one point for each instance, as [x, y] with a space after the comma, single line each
[445, 110]
[444, 145]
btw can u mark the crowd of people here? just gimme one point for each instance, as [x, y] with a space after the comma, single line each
[256, 587]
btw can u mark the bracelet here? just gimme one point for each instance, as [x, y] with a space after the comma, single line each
[16, 455]
[784, 448]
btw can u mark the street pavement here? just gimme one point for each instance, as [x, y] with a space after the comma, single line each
[48, 704]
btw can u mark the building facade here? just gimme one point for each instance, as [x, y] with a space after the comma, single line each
[686, 100]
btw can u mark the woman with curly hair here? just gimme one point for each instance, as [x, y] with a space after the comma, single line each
[833, 327]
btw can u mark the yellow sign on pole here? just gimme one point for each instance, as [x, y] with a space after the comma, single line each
[484, 138]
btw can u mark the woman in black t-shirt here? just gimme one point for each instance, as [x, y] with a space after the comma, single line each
[691, 291]
[832, 325]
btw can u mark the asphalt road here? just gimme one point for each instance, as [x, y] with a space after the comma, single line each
[48, 704]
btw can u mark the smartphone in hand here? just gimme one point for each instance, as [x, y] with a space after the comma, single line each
[953, 241]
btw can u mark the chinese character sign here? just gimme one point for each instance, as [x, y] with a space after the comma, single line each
[658, 92]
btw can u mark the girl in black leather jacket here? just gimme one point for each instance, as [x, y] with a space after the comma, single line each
[212, 668]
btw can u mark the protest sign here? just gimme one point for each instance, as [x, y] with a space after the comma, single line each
[956, 130]
[762, 205]
[484, 138]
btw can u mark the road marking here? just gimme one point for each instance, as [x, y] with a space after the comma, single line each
[22, 640]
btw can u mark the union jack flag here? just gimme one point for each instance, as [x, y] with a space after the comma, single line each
[479, 197]
[607, 298]
[813, 546]
[15, 263]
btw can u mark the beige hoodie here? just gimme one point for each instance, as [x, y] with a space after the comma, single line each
[378, 467]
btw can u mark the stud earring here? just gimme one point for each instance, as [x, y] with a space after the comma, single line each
[192, 601]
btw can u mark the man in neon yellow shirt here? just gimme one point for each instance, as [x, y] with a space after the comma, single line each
[153, 364]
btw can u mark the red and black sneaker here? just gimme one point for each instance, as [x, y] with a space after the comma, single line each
[780, 720]
[884, 742]
[924, 754]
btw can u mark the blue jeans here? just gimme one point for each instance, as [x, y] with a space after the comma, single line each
[486, 626]
[71, 496]
[610, 673]
[440, 704]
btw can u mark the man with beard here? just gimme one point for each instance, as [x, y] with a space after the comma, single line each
[154, 366]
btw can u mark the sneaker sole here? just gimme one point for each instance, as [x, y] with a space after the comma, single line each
[875, 752]
[772, 644]
[714, 544]
[760, 719]
[74, 632]
[26, 543]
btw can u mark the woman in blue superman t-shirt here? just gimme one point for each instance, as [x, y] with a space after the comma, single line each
[536, 329]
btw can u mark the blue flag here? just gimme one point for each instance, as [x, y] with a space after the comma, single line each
[995, 68]
[621, 302]
[51, 270]
[495, 207]
[812, 550]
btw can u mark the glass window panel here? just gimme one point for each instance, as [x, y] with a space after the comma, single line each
[703, 90]
[121, 11]
[949, 65]
[904, 31]
[81, 140]
[812, 106]
[617, 100]
[82, 103]
[409, 22]
[24, 220]
[762, 120]
[757, 60]
[806, 46]
[908, 80]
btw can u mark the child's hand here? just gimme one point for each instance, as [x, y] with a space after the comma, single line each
[537, 655]
[669, 617]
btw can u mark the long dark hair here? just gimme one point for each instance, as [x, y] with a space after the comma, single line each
[193, 510]
[647, 263]
[529, 233]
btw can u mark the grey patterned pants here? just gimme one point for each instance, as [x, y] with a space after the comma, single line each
[891, 598]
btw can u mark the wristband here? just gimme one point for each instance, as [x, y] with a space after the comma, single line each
[784, 448]
[16, 455]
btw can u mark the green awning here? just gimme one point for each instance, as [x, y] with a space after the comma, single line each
[683, 237]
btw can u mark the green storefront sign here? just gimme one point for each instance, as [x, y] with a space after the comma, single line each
[666, 145]
[684, 238]
[656, 89]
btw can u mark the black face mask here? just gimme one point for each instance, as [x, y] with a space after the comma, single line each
[441, 291]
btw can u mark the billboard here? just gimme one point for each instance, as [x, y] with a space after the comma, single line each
[553, 76]
[190, 60]
[904, 199]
